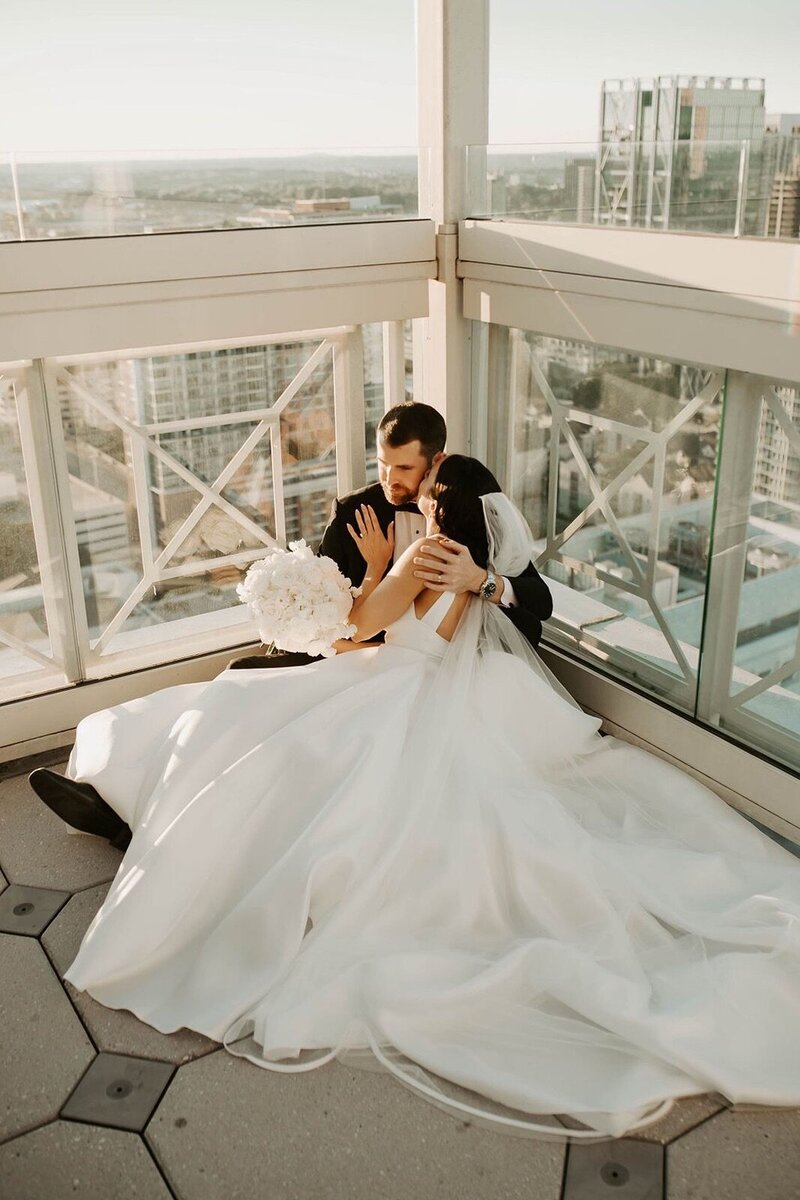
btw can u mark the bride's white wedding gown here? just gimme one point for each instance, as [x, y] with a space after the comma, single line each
[556, 920]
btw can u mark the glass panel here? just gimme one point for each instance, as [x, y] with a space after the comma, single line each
[27, 659]
[9, 222]
[160, 192]
[173, 480]
[611, 457]
[743, 185]
[375, 401]
[308, 455]
[765, 688]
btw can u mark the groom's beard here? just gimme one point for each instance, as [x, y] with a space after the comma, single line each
[399, 495]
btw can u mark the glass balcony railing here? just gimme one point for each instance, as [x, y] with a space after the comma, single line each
[748, 188]
[158, 192]
[666, 501]
[136, 489]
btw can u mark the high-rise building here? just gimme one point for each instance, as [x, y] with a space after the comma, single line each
[783, 212]
[777, 468]
[781, 176]
[670, 151]
[579, 186]
[208, 383]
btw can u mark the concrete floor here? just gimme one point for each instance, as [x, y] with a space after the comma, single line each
[157, 1116]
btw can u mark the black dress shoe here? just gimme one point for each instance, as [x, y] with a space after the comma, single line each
[80, 805]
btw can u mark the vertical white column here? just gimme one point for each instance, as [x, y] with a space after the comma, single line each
[734, 485]
[394, 364]
[453, 113]
[47, 478]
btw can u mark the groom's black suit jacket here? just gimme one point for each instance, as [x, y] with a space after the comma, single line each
[534, 602]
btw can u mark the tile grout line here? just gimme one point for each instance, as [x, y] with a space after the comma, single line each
[161, 1171]
[21, 1133]
[143, 1133]
[692, 1128]
[665, 1171]
[65, 989]
[87, 887]
[563, 1189]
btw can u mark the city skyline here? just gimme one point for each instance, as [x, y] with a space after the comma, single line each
[213, 74]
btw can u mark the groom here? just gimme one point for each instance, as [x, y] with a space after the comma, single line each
[411, 440]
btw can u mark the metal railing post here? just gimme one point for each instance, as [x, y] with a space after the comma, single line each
[737, 456]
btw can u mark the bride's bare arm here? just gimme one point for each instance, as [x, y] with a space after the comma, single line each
[380, 603]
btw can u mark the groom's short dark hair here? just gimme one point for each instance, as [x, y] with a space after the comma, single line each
[414, 422]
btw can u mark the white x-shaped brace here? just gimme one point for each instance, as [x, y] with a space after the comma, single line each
[642, 584]
[210, 494]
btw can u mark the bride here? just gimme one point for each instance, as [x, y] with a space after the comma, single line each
[426, 854]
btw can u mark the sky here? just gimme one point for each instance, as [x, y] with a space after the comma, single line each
[249, 74]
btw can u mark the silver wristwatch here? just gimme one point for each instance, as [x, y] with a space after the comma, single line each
[489, 586]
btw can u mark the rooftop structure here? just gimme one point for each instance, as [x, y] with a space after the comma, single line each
[172, 406]
[656, 137]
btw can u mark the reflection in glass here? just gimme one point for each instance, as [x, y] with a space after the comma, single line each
[764, 699]
[376, 397]
[735, 186]
[308, 455]
[611, 457]
[375, 402]
[176, 487]
[9, 212]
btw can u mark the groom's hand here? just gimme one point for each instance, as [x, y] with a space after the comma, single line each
[447, 566]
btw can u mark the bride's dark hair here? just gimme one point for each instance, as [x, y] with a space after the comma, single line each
[460, 483]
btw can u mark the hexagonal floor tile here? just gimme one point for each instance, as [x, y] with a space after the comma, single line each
[227, 1127]
[43, 1046]
[114, 1030]
[737, 1156]
[38, 849]
[65, 1159]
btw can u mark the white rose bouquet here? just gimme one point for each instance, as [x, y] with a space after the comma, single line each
[300, 601]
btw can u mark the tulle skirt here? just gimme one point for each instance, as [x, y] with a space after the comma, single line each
[331, 860]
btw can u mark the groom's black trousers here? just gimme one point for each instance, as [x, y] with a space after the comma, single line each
[259, 661]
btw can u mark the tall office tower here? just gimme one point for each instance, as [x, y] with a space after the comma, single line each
[777, 467]
[579, 185]
[781, 176]
[783, 212]
[671, 152]
[190, 388]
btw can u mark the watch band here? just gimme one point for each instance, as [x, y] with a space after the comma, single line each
[489, 586]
